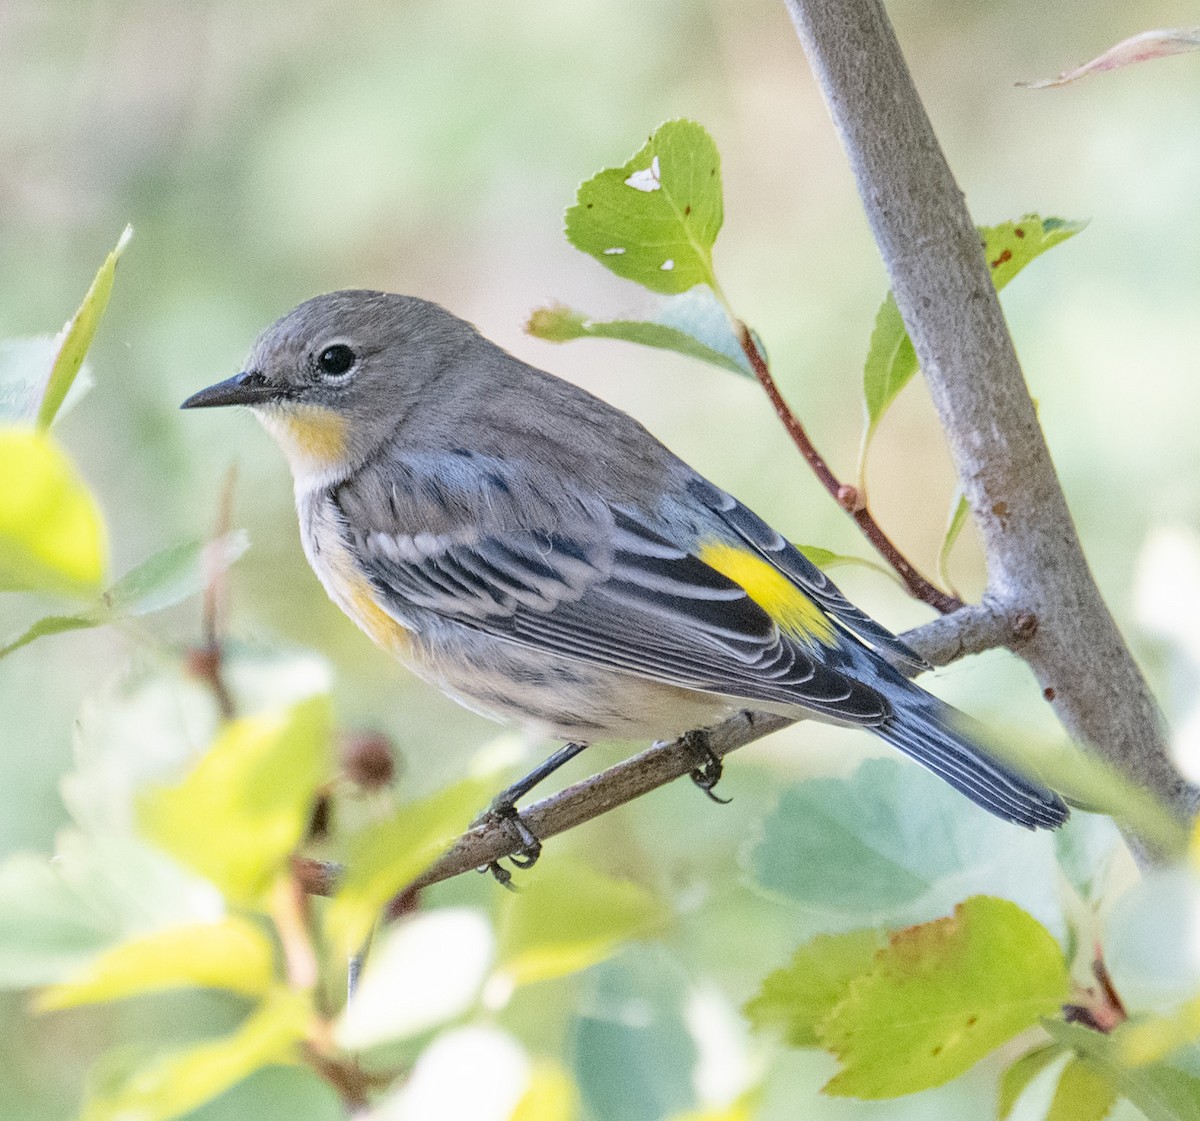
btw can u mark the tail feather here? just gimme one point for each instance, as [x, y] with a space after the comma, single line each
[924, 729]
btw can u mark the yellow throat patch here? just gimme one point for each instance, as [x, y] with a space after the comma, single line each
[313, 438]
[792, 610]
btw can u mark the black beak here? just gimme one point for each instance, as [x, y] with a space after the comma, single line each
[242, 389]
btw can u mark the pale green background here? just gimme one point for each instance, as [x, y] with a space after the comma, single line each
[267, 152]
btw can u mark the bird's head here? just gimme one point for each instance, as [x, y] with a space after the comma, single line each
[337, 375]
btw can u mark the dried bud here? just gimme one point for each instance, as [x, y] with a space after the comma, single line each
[367, 760]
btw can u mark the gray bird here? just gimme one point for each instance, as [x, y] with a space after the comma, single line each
[541, 558]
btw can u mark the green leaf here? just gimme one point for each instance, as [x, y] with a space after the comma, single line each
[245, 806]
[891, 359]
[655, 219]
[437, 960]
[893, 844]
[1159, 1036]
[1084, 1093]
[46, 926]
[52, 536]
[891, 364]
[76, 337]
[693, 324]
[826, 559]
[173, 574]
[569, 917]
[176, 1083]
[1161, 1092]
[50, 625]
[1010, 246]
[941, 996]
[1018, 1076]
[385, 857]
[164, 580]
[25, 366]
[958, 518]
[232, 954]
[57, 913]
[634, 1057]
[795, 999]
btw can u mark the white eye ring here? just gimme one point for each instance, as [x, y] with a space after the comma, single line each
[337, 360]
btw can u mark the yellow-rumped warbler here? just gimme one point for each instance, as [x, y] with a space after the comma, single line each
[542, 559]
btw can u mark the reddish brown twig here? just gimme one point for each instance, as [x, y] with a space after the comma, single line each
[845, 495]
[206, 660]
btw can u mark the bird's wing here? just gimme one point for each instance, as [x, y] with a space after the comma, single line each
[619, 594]
[784, 556]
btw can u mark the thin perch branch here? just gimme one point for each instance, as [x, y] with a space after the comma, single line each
[969, 631]
[941, 283]
[846, 496]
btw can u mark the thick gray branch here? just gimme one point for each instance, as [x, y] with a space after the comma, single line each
[942, 286]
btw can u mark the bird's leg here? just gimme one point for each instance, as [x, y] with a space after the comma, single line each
[504, 808]
[709, 768]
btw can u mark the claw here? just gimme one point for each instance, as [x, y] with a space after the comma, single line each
[530, 849]
[709, 768]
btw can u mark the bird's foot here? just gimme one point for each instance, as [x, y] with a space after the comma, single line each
[504, 809]
[528, 846]
[709, 768]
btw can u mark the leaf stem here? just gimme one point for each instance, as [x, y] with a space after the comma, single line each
[848, 497]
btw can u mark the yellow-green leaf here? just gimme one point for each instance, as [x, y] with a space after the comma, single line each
[742, 1109]
[76, 337]
[1158, 1036]
[550, 1096]
[941, 996]
[244, 807]
[52, 536]
[1084, 1093]
[385, 857]
[958, 518]
[891, 359]
[568, 917]
[655, 219]
[795, 999]
[176, 1083]
[1162, 1092]
[1018, 1076]
[232, 954]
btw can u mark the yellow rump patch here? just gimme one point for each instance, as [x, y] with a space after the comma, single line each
[791, 609]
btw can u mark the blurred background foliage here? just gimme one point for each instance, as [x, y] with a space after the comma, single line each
[267, 152]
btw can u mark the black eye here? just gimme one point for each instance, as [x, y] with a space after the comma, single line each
[336, 359]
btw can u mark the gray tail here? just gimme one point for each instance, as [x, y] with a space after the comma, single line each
[927, 730]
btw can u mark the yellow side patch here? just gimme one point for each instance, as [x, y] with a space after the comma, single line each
[309, 435]
[379, 626]
[791, 609]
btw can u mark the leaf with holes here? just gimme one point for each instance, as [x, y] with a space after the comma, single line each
[654, 220]
[941, 996]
